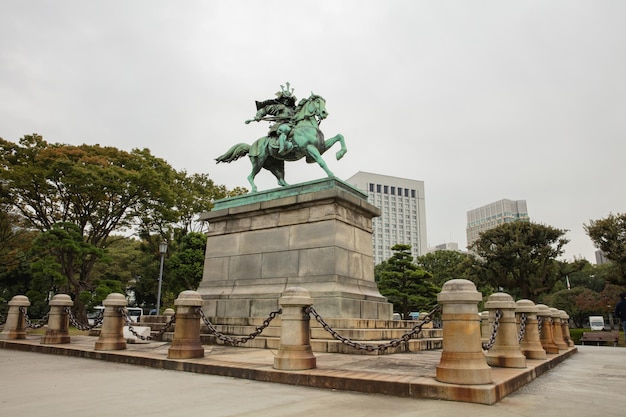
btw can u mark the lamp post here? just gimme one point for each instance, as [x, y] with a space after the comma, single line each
[162, 252]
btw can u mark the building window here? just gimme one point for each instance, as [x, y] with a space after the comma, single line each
[413, 193]
[386, 189]
[371, 187]
[378, 187]
[393, 190]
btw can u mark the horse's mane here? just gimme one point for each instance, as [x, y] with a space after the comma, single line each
[304, 102]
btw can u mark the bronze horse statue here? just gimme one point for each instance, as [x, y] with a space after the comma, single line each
[306, 137]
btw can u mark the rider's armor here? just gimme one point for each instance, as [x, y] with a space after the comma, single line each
[283, 108]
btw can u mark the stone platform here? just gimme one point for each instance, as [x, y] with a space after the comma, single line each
[315, 235]
[402, 375]
[364, 331]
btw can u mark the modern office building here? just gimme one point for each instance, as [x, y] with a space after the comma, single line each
[493, 215]
[403, 218]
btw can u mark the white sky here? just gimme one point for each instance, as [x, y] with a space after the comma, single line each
[482, 100]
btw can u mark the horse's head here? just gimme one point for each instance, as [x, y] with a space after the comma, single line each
[314, 106]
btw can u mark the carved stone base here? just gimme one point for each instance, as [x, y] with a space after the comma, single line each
[316, 235]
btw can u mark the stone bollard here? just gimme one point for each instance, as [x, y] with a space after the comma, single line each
[567, 336]
[112, 332]
[15, 326]
[186, 343]
[557, 330]
[505, 351]
[485, 326]
[547, 340]
[294, 352]
[462, 360]
[58, 320]
[530, 344]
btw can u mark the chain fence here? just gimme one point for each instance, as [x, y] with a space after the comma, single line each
[29, 323]
[129, 322]
[235, 341]
[522, 327]
[540, 324]
[97, 321]
[370, 347]
[494, 331]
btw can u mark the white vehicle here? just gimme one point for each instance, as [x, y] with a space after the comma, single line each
[596, 322]
[134, 313]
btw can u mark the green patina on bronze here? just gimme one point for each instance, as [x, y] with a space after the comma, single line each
[289, 191]
[294, 134]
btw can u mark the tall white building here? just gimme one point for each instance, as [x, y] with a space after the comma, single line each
[403, 218]
[493, 215]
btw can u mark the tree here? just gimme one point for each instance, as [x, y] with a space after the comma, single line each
[445, 265]
[609, 235]
[406, 286]
[96, 189]
[195, 194]
[520, 257]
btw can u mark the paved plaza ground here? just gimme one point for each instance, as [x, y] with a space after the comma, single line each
[589, 383]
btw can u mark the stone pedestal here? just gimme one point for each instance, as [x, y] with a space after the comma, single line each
[530, 344]
[485, 326]
[15, 326]
[505, 351]
[186, 343]
[462, 360]
[294, 353]
[112, 333]
[557, 329]
[316, 235]
[545, 335]
[58, 320]
[567, 336]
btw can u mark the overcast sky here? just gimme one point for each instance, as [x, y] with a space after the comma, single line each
[481, 100]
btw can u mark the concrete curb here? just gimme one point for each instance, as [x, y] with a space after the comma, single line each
[256, 365]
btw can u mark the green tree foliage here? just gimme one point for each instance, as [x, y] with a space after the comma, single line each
[520, 257]
[609, 235]
[195, 194]
[406, 285]
[77, 196]
[578, 303]
[445, 265]
[186, 264]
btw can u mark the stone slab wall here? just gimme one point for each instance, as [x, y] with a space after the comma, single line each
[316, 235]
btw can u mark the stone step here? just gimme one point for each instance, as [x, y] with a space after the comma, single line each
[332, 322]
[321, 333]
[330, 345]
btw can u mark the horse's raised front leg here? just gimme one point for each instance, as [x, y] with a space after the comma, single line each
[315, 154]
[339, 138]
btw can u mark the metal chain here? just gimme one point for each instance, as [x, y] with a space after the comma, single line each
[369, 347]
[124, 312]
[84, 327]
[234, 341]
[539, 323]
[522, 327]
[494, 331]
[29, 323]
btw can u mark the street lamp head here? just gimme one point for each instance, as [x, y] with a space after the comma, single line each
[163, 247]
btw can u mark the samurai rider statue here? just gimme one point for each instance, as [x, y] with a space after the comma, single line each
[282, 109]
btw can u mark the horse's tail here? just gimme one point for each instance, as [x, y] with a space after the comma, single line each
[234, 153]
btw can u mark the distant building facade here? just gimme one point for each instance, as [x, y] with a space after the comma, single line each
[445, 246]
[493, 215]
[403, 218]
[601, 258]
